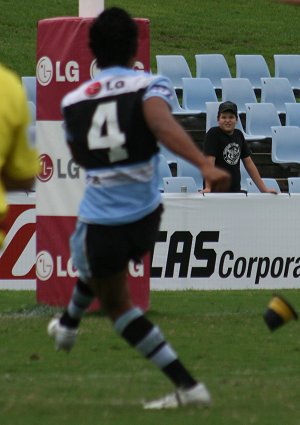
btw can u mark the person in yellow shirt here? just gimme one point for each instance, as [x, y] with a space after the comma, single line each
[19, 163]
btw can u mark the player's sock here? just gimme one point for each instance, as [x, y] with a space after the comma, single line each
[147, 338]
[81, 299]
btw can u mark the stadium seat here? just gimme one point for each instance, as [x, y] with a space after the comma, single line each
[186, 169]
[214, 67]
[178, 110]
[32, 110]
[260, 117]
[179, 184]
[285, 144]
[294, 184]
[292, 114]
[253, 67]
[288, 66]
[211, 121]
[29, 84]
[163, 170]
[277, 91]
[271, 183]
[175, 67]
[196, 92]
[239, 91]
[244, 176]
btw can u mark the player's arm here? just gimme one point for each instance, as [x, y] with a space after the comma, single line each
[211, 159]
[167, 130]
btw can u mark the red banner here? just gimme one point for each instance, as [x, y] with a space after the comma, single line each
[64, 62]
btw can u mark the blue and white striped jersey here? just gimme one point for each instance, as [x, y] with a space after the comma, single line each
[108, 136]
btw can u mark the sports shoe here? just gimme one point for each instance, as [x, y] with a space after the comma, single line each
[198, 396]
[64, 337]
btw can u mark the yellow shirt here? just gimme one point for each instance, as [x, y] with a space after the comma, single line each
[18, 160]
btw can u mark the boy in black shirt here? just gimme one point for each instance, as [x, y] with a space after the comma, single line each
[225, 146]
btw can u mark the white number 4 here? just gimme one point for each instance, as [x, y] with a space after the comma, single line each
[105, 132]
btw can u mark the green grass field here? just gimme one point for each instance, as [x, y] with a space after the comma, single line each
[253, 374]
[178, 27]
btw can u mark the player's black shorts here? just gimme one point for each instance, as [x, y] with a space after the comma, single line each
[108, 249]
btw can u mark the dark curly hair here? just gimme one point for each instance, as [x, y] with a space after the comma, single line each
[113, 38]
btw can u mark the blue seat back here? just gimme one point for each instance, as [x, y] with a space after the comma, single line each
[212, 66]
[239, 91]
[196, 92]
[253, 67]
[277, 91]
[175, 67]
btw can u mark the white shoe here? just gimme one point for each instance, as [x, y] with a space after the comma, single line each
[64, 337]
[198, 396]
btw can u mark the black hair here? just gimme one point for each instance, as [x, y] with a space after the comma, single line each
[113, 38]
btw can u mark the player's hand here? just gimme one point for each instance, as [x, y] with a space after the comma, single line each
[218, 180]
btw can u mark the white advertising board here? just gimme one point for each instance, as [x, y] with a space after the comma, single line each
[228, 242]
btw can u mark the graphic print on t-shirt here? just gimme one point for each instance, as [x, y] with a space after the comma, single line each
[232, 153]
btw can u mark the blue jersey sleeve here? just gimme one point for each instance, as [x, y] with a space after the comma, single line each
[160, 87]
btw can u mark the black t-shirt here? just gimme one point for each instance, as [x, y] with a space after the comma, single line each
[228, 150]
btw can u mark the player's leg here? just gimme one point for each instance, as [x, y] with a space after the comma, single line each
[144, 336]
[64, 329]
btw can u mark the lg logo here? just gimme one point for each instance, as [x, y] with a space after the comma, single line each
[63, 169]
[46, 168]
[45, 71]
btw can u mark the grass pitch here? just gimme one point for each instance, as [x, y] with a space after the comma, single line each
[254, 375]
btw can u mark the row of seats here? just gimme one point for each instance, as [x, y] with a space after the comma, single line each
[190, 180]
[197, 91]
[215, 67]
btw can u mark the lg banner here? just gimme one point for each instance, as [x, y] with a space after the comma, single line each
[63, 62]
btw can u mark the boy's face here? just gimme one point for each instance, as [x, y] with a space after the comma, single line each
[227, 122]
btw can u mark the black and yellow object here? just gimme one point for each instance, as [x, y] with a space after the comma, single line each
[279, 311]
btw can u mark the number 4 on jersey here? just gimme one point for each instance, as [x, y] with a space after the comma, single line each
[105, 132]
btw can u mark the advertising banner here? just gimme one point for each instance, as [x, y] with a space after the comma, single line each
[17, 256]
[228, 242]
[64, 61]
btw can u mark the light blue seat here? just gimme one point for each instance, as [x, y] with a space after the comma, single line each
[271, 183]
[294, 184]
[175, 67]
[163, 170]
[211, 115]
[288, 66]
[178, 110]
[212, 66]
[292, 114]
[212, 121]
[253, 67]
[239, 91]
[196, 92]
[32, 110]
[277, 91]
[260, 117]
[29, 84]
[179, 184]
[187, 169]
[285, 144]
[244, 176]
